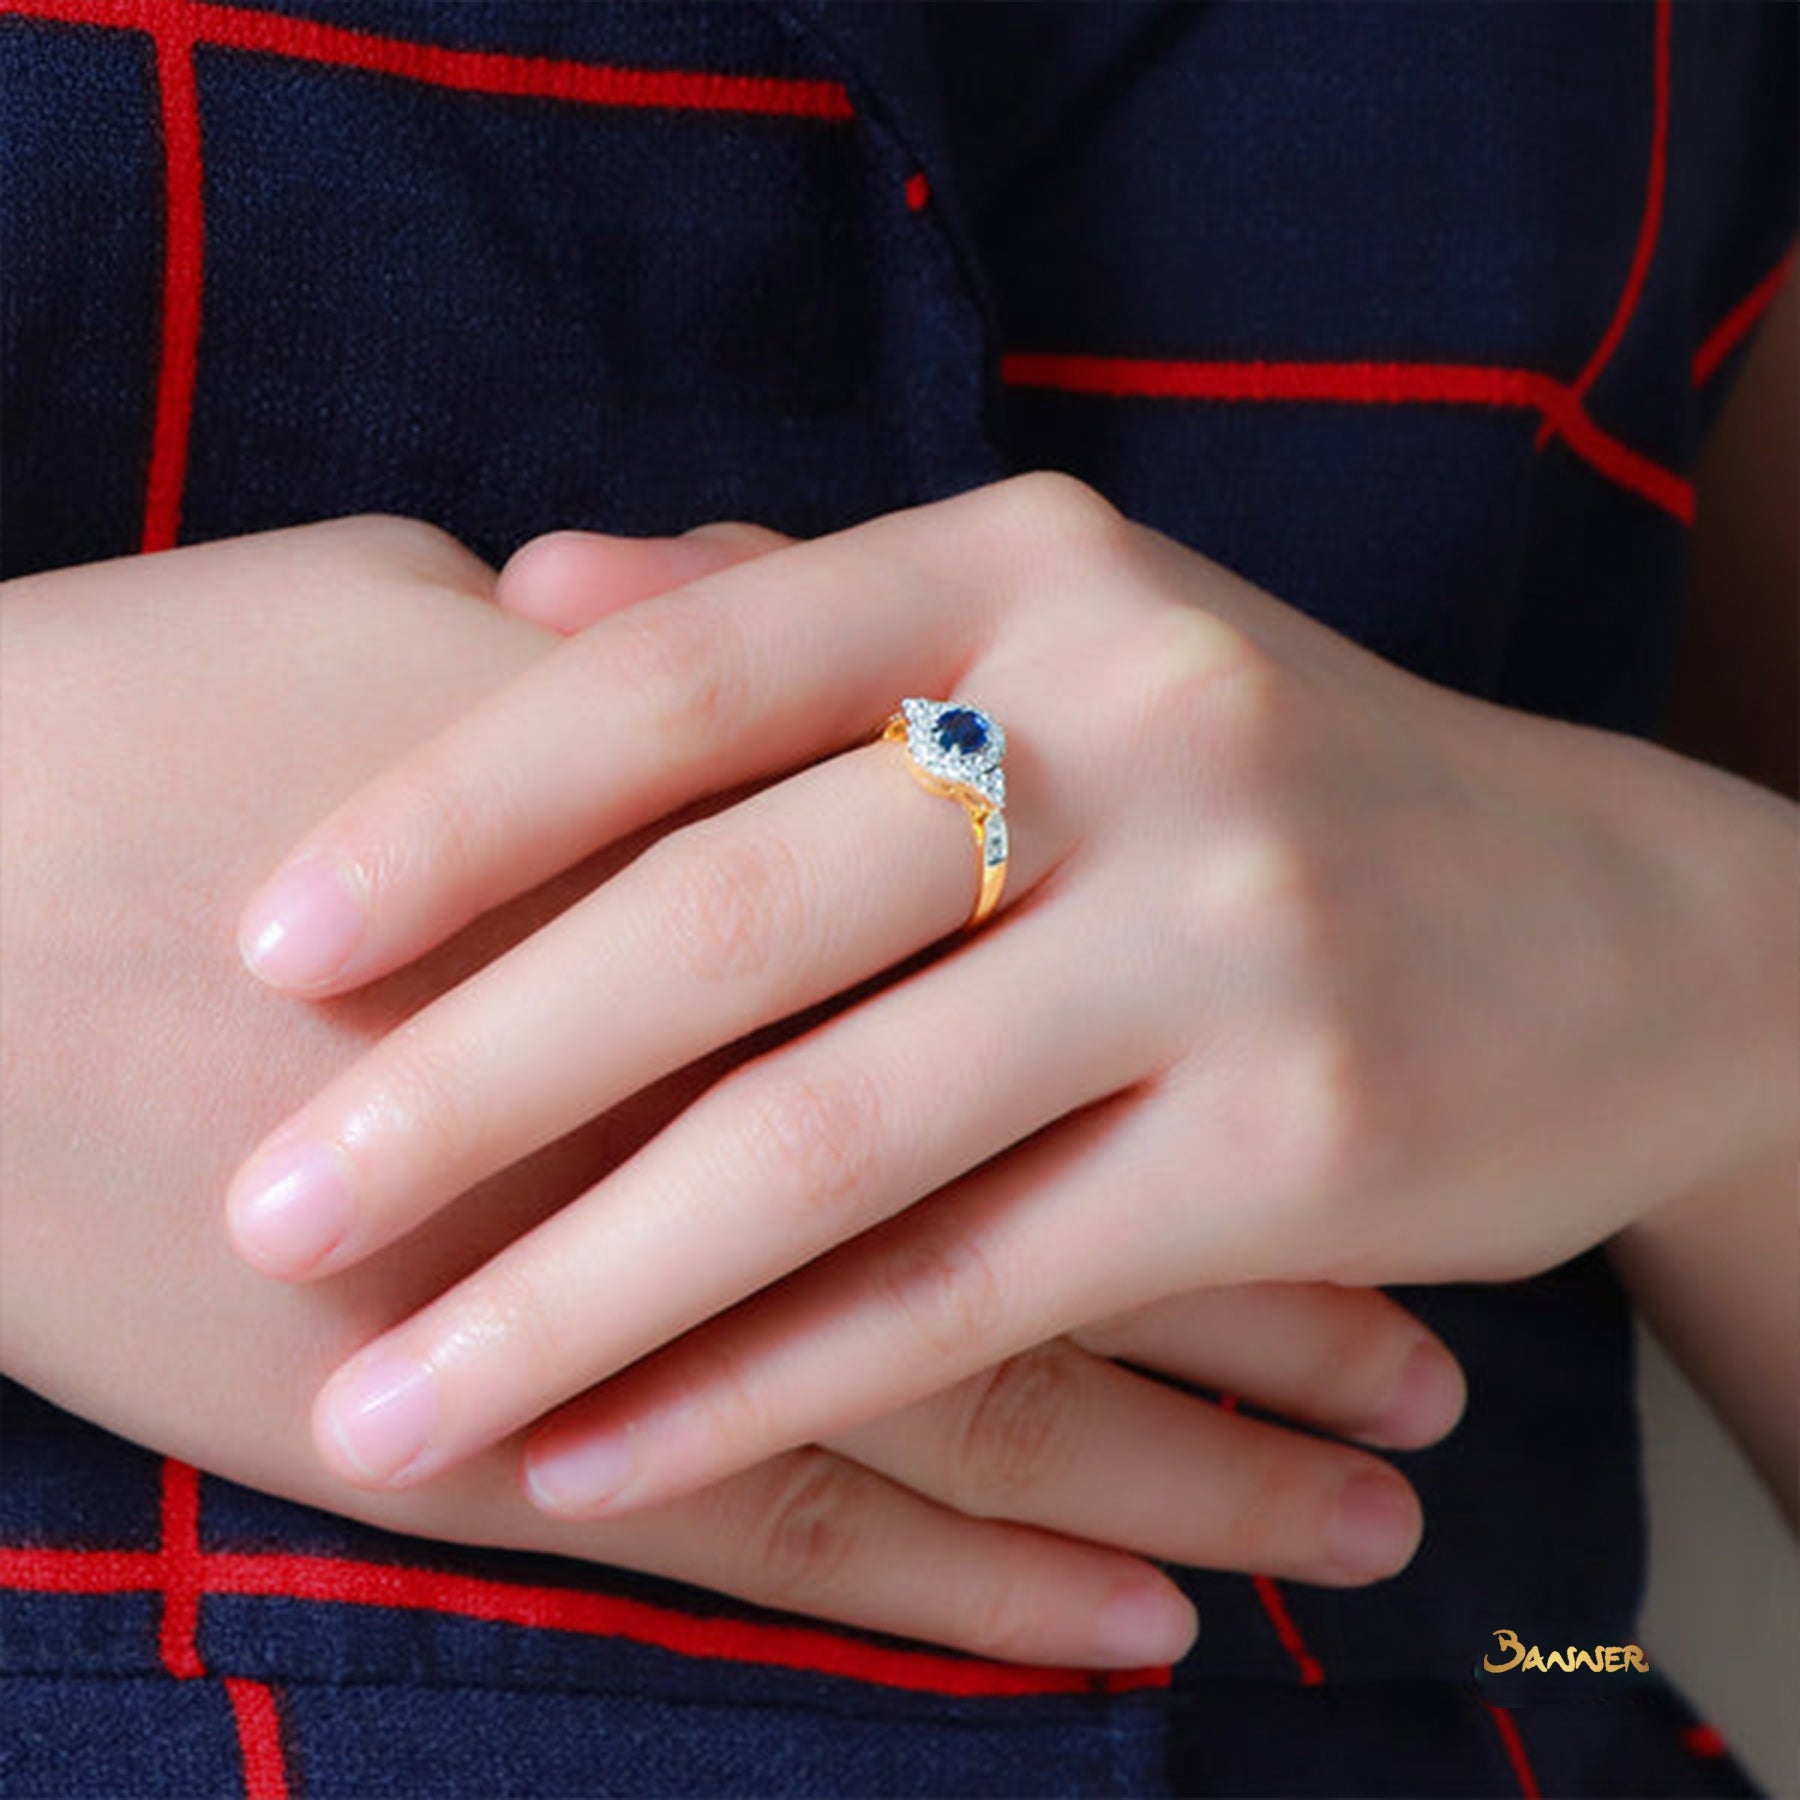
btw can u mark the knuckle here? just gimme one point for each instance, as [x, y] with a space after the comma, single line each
[546, 556]
[1269, 893]
[730, 902]
[1213, 694]
[740, 534]
[1053, 503]
[1020, 1428]
[1053, 524]
[385, 531]
[411, 547]
[1256, 892]
[680, 662]
[1341, 1131]
[811, 1137]
[1325, 1099]
[808, 1536]
[943, 1283]
[1313, 1119]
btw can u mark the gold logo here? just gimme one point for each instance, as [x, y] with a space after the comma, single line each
[1607, 1658]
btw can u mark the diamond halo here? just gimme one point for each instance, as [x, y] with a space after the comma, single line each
[958, 743]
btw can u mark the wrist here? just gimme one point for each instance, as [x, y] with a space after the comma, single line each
[1717, 856]
[1715, 1272]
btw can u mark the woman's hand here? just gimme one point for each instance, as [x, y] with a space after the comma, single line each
[171, 722]
[1306, 971]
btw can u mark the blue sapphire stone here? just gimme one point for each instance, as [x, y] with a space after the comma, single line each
[963, 731]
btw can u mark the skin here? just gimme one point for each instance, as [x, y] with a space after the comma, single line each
[1736, 1237]
[163, 741]
[1203, 876]
[1717, 1270]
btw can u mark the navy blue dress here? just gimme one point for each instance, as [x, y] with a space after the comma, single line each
[1414, 315]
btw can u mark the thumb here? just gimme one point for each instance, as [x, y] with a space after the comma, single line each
[569, 580]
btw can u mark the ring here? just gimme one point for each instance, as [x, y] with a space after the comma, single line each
[955, 751]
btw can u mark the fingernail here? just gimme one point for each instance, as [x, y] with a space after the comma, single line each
[291, 1206]
[1374, 1527]
[378, 1414]
[1142, 1627]
[578, 1478]
[1426, 1401]
[300, 929]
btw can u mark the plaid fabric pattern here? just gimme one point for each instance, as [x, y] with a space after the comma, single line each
[1416, 315]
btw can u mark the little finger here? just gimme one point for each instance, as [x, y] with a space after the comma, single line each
[1348, 1359]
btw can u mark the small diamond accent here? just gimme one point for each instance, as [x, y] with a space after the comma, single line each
[993, 846]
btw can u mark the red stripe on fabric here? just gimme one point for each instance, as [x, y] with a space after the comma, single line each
[534, 77]
[1369, 383]
[1360, 384]
[1287, 1633]
[258, 1723]
[1515, 1750]
[1650, 224]
[1312, 1671]
[1356, 383]
[131, 15]
[181, 1576]
[183, 230]
[1663, 488]
[81, 1571]
[1705, 1740]
[558, 1609]
[606, 1615]
[472, 71]
[1735, 326]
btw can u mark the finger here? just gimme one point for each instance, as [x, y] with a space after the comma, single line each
[785, 1157]
[743, 674]
[1073, 1443]
[569, 580]
[834, 1539]
[790, 897]
[1348, 1359]
[1022, 1250]
[817, 1534]
[920, 1303]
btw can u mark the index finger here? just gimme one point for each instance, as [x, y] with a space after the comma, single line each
[743, 674]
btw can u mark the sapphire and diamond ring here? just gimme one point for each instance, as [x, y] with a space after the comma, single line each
[956, 751]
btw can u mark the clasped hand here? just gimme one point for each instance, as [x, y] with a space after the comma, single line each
[1307, 972]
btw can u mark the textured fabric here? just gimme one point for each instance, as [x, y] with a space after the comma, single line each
[1415, 315]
